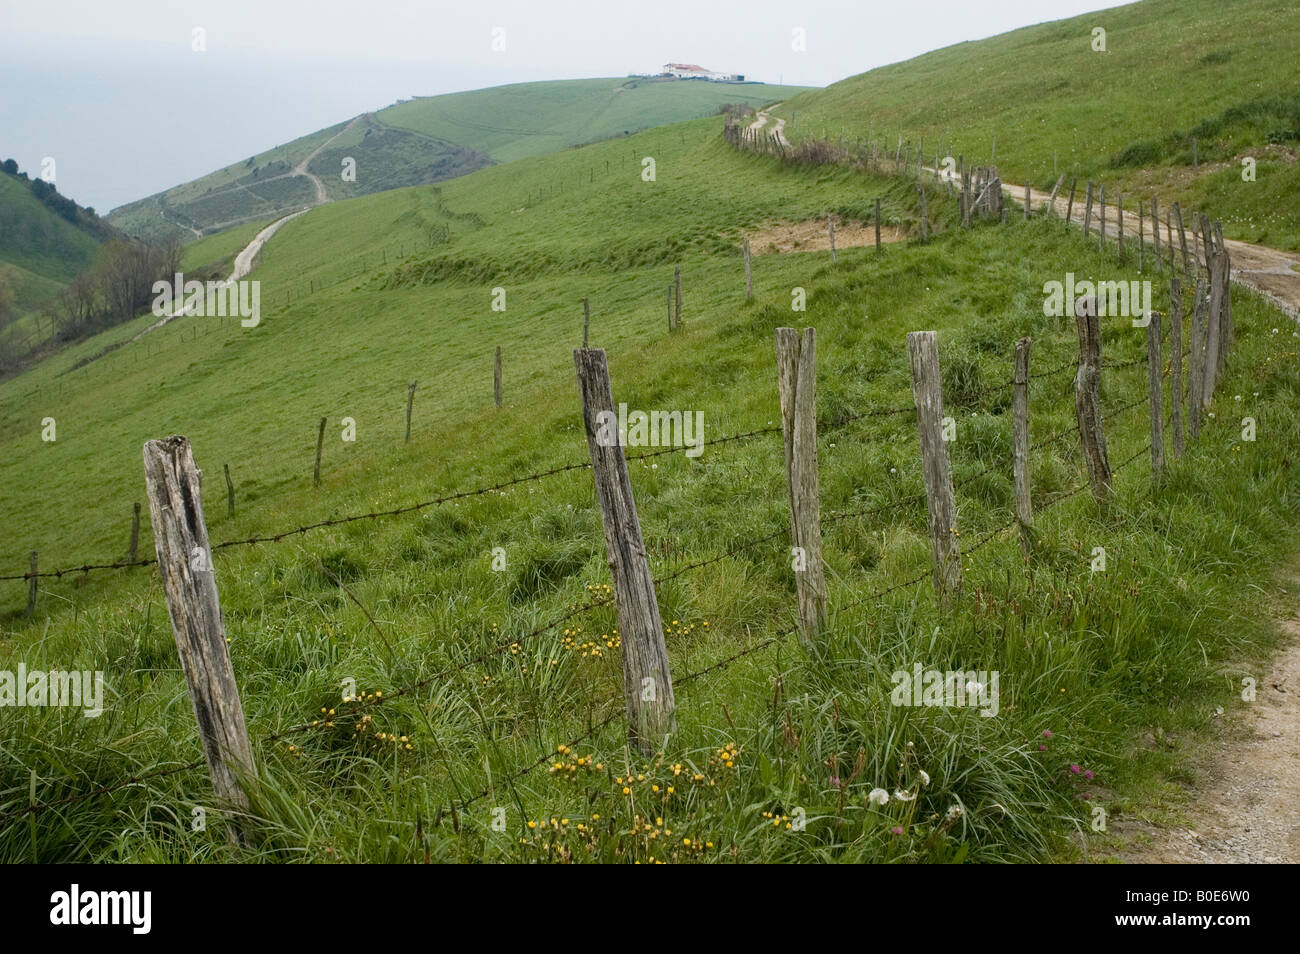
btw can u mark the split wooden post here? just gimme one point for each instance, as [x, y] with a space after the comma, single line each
[1087, 211]
[410, 400]
[1087, 399]
[586, 320]
[320, 445]
[923, 351]
[647, 682]
[230, 493]
[1020, 426]
[190, 585]
[749, 275]
[1155, 366]
[1069, 206]
[877, 218]
[1176, 361]
[796, 372]
[496, 376]
[1155, 231]
[32, 577]
[1196, 381]
[925, 222]
[133, 550]
[677, 285]
[830, 231]
[1182, 242]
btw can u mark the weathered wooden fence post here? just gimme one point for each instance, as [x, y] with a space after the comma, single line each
[1196, 381]
[1155, 230]
[830, 231]
[496, 376]
[647, 683]
[230, 493]
[133, 551]
[1213, 327]
[1175, 359]
[796, 370]
[876, 216]
[320, 445]
[1051, 199]
[1182, 242]
[410, 400]
[1087, 399]
[749, 275]
[923, 350]
[189, 582]
[1155, 366]
[677, 284]
[32, 577]
[1020, 425]
[1069, 206]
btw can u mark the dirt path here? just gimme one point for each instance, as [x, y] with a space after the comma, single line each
[1246, 809]
[1268, 271]
[751, 132]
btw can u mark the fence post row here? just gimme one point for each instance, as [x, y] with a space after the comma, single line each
[923, 351]
[647, 683]
[1087, 399]
[189, 583]
[796, 367]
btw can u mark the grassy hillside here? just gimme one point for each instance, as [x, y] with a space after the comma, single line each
[403, 291]
[1221, 73]
[429, 139]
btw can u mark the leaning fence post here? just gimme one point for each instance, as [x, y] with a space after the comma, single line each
[320, 445]
[1069, 206]
[1020, 425]
[1155, 366]
[647, 684]
[1087, 399]
[189, 583]
[749, 275]
[923, 350]
[410, 399]
[133, 551]
[796, 370]
[496, 376]
[1196, 379]
[1175, 360]
[32, 577]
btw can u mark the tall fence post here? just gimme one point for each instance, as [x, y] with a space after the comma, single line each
[647, 683]
[133, 551]
[496, 376]
[1020, 426]
[1196, 381]
[410, 400]
[1087, 399]
[1175, 360]
[190, 585]
[320, 445]
[796, 369]
[230, 492]
[1155, 365]
[923, 350]
[32, 577]
[749, 275]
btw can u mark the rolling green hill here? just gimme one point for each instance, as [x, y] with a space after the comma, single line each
[426, 140]
[363, 296]
[1173, 71]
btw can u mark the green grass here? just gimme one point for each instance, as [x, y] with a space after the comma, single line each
[431, 139]
[403, 290]
[1172, 70]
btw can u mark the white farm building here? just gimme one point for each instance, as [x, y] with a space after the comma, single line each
[691, 71]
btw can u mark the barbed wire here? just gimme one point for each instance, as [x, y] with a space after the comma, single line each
[102, 790]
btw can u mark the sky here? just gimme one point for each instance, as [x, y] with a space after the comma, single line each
[116, 94]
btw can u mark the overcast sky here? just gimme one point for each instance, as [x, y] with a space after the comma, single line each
[115, 93]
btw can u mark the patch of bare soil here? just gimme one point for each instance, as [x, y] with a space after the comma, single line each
[812, 236]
